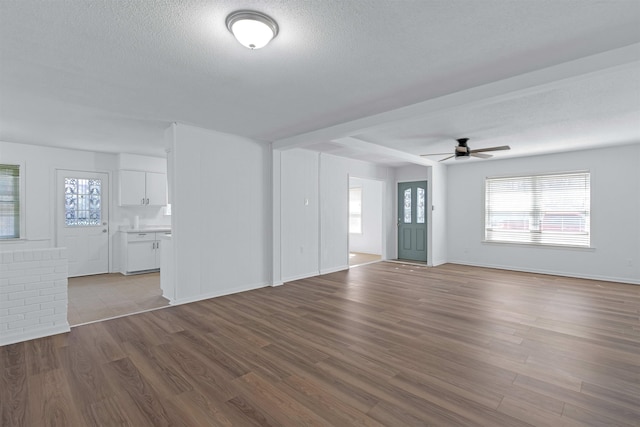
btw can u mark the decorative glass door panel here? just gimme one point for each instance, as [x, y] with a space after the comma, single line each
[420, 207]
[82, 202]
[407, 205]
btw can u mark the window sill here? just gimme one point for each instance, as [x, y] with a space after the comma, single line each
[539, 245]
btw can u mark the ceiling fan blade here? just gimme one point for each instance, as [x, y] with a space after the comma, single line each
[481, 156]
[434, 154]
[502, 147]
[446, 158]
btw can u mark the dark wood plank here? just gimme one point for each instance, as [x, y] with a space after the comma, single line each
[14, 396]
[107, 412]
[321, 400]
[51, 402]
[271, 400]
[87, 380]
[144, 405]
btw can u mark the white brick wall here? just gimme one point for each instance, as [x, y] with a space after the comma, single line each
[33, 294]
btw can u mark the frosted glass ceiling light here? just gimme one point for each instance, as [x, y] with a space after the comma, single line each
[252, 29]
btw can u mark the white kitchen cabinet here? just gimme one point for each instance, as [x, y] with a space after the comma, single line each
[139, 188]
[141, 251]
[156, 188]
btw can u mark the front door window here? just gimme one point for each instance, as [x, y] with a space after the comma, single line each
[82, 202]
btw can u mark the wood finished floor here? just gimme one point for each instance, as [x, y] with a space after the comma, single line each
[381, 344]
[102, 296]
[361, 258]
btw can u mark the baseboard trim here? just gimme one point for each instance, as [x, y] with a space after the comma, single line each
[35, 334]
[300, 277]
[334, 269]
[215, 294]
[551, 272]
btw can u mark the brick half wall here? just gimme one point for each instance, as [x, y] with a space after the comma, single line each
[33, 294]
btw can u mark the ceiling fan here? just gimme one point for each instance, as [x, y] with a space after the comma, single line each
[462, 151]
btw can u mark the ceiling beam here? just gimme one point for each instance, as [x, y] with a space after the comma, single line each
[513, 87]
[382, 151]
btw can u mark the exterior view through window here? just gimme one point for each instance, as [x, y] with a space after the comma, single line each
[9, 201]
[355, 210]
[549, 209]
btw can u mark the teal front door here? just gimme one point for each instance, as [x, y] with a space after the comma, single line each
[412, 221]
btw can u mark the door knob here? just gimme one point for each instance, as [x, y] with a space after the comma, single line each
[104, 231]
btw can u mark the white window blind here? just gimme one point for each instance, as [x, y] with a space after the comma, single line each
[539, 209]
[9, 201]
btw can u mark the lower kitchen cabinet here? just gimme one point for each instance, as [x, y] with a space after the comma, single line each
[140, 251]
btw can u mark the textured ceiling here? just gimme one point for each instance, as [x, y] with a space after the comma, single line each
[112, 75]
[580, 113]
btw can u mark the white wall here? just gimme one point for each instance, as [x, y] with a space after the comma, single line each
[299, 214]
[370, 240]
[385, 175]
[437, 217]
[615, 224]
[40, 192]
[221, 213]
[142, 163]
[334, 222]
[334, 213]
[320, 229]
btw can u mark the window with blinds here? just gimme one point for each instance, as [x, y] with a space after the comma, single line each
[9, 201]
[355, 210]
[549, 209]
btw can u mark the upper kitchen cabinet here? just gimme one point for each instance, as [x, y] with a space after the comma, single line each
[156, 188]
[143, 180]
[139, 188]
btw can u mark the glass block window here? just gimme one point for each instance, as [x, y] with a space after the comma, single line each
[407, 206]
[420, 208]
[9, 201]
[82, 201]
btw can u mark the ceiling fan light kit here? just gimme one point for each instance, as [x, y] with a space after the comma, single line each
[462, 151]
[252, 29]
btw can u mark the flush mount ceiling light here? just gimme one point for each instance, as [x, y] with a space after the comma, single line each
[252, 29]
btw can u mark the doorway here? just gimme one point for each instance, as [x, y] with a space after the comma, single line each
[365, 221]
[82, 226]
[103, 296]
[82, 220]
[412, 221]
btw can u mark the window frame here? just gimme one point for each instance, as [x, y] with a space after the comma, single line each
[535, 235]
[22, 229]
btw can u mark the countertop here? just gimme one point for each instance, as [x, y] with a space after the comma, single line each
[145, 229]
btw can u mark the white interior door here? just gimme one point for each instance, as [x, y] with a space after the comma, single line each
[82, 220]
